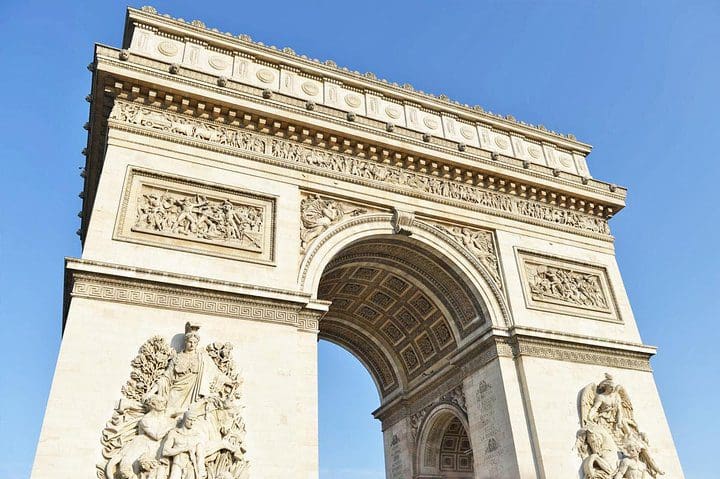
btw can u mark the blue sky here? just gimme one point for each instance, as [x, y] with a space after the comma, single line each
[638, 80]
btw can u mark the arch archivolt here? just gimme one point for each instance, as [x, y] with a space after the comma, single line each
[374, 355]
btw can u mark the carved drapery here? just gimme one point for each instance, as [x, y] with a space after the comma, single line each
[179, 415]
[356, 169]
[609, 440]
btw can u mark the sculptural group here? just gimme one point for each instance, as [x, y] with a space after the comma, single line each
[179, 417]
[199, 217]
[609, 441]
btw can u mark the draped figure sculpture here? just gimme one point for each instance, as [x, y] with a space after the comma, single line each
[609, 441]
[179, 417]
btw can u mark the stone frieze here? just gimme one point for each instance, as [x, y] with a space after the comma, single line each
[357, 169]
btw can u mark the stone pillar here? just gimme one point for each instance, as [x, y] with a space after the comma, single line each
[398, 442]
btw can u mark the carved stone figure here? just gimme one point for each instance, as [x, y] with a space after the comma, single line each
[179, 417]
[185, 447]
[608, 428]
[631, 467]
[480, 244]
[318, 214]
[151, 429]
[566, 286]
[197, 217]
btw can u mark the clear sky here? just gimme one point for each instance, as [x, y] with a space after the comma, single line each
[638, 80]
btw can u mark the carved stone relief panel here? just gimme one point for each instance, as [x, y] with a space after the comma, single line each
[480, 244]
[565, 286]
[319, 213]
[354, 169]
[179, 213]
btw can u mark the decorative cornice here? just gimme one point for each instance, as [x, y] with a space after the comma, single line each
[512, 203]
[580, 353]
[191, 300]
[106, 59]
[227, 43]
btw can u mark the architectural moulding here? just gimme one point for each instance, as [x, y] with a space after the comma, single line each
[371, 173]
[454, 397]
[179, 213]
[239, 59]
[151, 294]
[381, 223]
[513, 346]
[566, 286]
[113, 79]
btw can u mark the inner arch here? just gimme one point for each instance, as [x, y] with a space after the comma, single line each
[399, 306]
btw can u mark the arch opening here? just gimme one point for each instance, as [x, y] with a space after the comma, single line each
[401, 307]
[345, 395]
[444, 448]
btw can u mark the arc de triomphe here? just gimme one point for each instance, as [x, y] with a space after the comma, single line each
[242, 201]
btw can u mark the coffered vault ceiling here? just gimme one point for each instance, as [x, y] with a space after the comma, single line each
[399, 308]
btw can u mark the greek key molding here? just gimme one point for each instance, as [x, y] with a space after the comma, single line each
[179, 213]
[580, 353]
[132, 116]
[566, 286]
[191, 300]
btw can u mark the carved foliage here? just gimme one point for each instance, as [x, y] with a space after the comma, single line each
[609, 440]
[386, 176]
[148, 365]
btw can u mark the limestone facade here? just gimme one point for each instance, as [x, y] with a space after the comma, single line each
[465, 258]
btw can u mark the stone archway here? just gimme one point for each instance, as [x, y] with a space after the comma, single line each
[444, 446]
[463, 257]
[399, 307]
[405, 309]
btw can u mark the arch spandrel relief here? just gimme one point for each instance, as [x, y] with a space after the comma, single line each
[179, 416]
